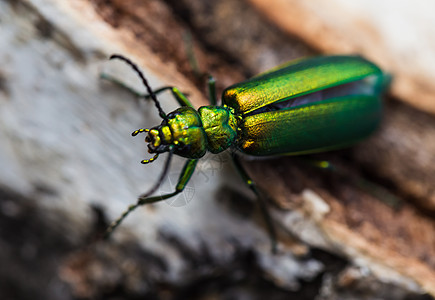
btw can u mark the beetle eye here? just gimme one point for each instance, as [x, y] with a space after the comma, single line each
[172, 115]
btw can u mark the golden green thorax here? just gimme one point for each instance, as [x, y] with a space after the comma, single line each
[211, 128]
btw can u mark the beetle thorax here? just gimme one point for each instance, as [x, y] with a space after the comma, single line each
[220, 125]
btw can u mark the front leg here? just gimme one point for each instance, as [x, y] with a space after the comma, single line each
[372, 188]
[185, 175]
[178, 96]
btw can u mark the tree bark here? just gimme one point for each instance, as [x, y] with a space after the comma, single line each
[69, 167]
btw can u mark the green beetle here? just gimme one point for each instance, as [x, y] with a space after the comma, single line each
[304, 106]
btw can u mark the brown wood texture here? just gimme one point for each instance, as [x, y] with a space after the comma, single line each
[365, 230]
[399, 159]
[399, 40]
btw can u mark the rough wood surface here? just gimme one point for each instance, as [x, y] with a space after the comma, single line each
[69, 165]
[397, 35]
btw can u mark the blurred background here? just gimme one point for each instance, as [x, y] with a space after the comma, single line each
[69, 166]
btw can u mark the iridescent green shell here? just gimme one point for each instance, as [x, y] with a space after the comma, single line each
[220, 126]
[186, 130]
[309, 105]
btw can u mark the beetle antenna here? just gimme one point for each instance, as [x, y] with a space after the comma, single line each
[141, 201]
[144, 81]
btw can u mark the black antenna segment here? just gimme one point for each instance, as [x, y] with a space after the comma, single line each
[144, 81]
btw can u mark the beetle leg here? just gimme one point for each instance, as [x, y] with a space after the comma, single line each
[179, 96]
[188, 42]
[116, 81]
[364, 184]
[212, 90]
[185, 175]
[193, 62]
[261, 201]
[135, 92]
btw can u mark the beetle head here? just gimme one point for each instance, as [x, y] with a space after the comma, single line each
[182, 129]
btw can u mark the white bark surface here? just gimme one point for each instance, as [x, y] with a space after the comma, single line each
[66, 143]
